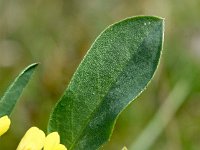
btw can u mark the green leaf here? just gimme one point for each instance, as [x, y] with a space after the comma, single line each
[8, 101]
[116, 69]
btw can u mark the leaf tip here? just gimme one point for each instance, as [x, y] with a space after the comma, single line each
[32, 66]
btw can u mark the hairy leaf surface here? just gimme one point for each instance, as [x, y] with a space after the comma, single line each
[116, 69]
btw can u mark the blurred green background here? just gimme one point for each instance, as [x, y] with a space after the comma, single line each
[57, 33]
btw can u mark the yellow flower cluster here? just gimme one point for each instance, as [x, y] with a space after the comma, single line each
[34, 139]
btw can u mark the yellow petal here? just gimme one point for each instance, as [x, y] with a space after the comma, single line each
[33, 140]
[124, 148]
[51, 141]
[60, 147]
[4, 124]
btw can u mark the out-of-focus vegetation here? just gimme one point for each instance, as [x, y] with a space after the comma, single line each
[58, 33]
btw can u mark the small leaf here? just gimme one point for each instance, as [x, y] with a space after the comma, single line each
[8, 101]
[116, 69]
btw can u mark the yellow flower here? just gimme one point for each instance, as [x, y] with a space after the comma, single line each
[4, 124]
[52, 142]
[60, 147]
[33, 140]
